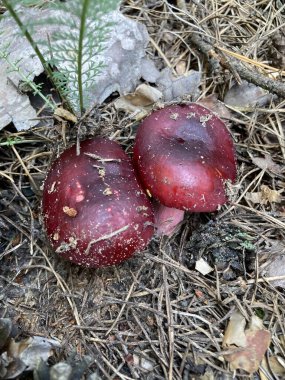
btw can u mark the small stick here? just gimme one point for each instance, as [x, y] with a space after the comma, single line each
[101, 159]
[105, 237]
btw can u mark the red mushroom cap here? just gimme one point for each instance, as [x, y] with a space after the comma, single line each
[95, 212]
[183, 155]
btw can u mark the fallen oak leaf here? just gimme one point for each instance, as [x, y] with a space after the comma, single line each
[250, 347]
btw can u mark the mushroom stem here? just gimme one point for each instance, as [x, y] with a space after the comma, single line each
[166, 219]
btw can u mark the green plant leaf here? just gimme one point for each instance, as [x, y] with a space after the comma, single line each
[82, 30]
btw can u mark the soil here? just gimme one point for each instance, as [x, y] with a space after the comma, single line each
[155, 316]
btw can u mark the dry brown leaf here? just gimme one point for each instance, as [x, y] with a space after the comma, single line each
[265, 195]
[250, 348]
[277, 365]
[234, 334]
[266, 163]
[144, 96]
[140, 101]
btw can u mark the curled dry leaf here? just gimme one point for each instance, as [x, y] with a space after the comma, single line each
[266, 195]
[65, 114]
[248, 345]
[277, 365]
[181, 67]
[139, 102]
[168, 88]
[234, 334]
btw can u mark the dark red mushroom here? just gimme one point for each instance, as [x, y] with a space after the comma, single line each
[94, 211]
[184, 155]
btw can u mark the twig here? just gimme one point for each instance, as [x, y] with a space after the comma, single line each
[101, 159]
[130, 292]
[169, 312]
[210, 51]
[105, 237]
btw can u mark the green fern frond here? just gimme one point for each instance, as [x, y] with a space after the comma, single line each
[70, 54]
[82, 30]
[26, 29]
[14, 66]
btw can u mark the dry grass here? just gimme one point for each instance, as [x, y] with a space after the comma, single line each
[154, 317]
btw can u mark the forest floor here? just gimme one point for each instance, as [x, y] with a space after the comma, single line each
[155, 316]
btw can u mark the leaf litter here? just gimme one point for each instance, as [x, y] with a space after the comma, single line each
[155, 316]
[123, 63]
[248, 345]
